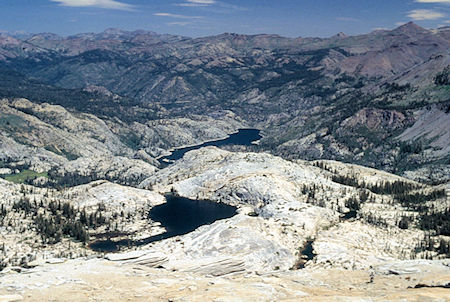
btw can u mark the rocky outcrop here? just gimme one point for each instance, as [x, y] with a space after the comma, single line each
[312, 101]
[293, 202]
[65, 133]
[79, 279]
[161, 135]
[84, 148]
[183, 91]
[377, 120]
[431, 125]
[113, 168]
[282, 205]
[124, 208]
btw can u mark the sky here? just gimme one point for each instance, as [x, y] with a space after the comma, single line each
[195, 18]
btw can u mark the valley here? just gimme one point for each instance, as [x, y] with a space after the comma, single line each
[228, 167]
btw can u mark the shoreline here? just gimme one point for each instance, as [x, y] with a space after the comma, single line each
[171, 150]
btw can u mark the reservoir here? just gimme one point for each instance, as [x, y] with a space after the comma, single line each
[244, 137]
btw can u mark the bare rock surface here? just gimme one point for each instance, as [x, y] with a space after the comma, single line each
[125, 207]
[433, 125]
[115, 168]
[276, 190]
[54, 127]
[97, 279]
[377, 119]
[255, 255]
[310, 231]
[161, 135]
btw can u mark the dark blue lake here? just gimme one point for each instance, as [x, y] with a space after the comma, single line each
[181, 215]
[244, 137]
[178, 216]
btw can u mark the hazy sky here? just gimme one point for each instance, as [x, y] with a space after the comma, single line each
[195, 18]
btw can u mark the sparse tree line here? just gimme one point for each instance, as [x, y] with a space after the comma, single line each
[417, 201]
[431, 246]
[383, 188]
[434, 222]
[71, 179]
[44, 217]
[400, 190]
[352, 204]
[57, 180]
[53, 220]
[13, 165]
[443, 78]
[439, 222]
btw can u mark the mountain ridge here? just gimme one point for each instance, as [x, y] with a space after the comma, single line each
[352, 172]
[271, 82]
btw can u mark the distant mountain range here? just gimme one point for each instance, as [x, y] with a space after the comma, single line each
[370, 99]
[87, 121]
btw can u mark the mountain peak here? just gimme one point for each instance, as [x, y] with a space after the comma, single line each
[47, 36]
[410, 28]
[113, 31]
[340, 35]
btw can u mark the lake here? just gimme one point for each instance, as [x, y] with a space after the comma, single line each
[244, 137]
[178, 216]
